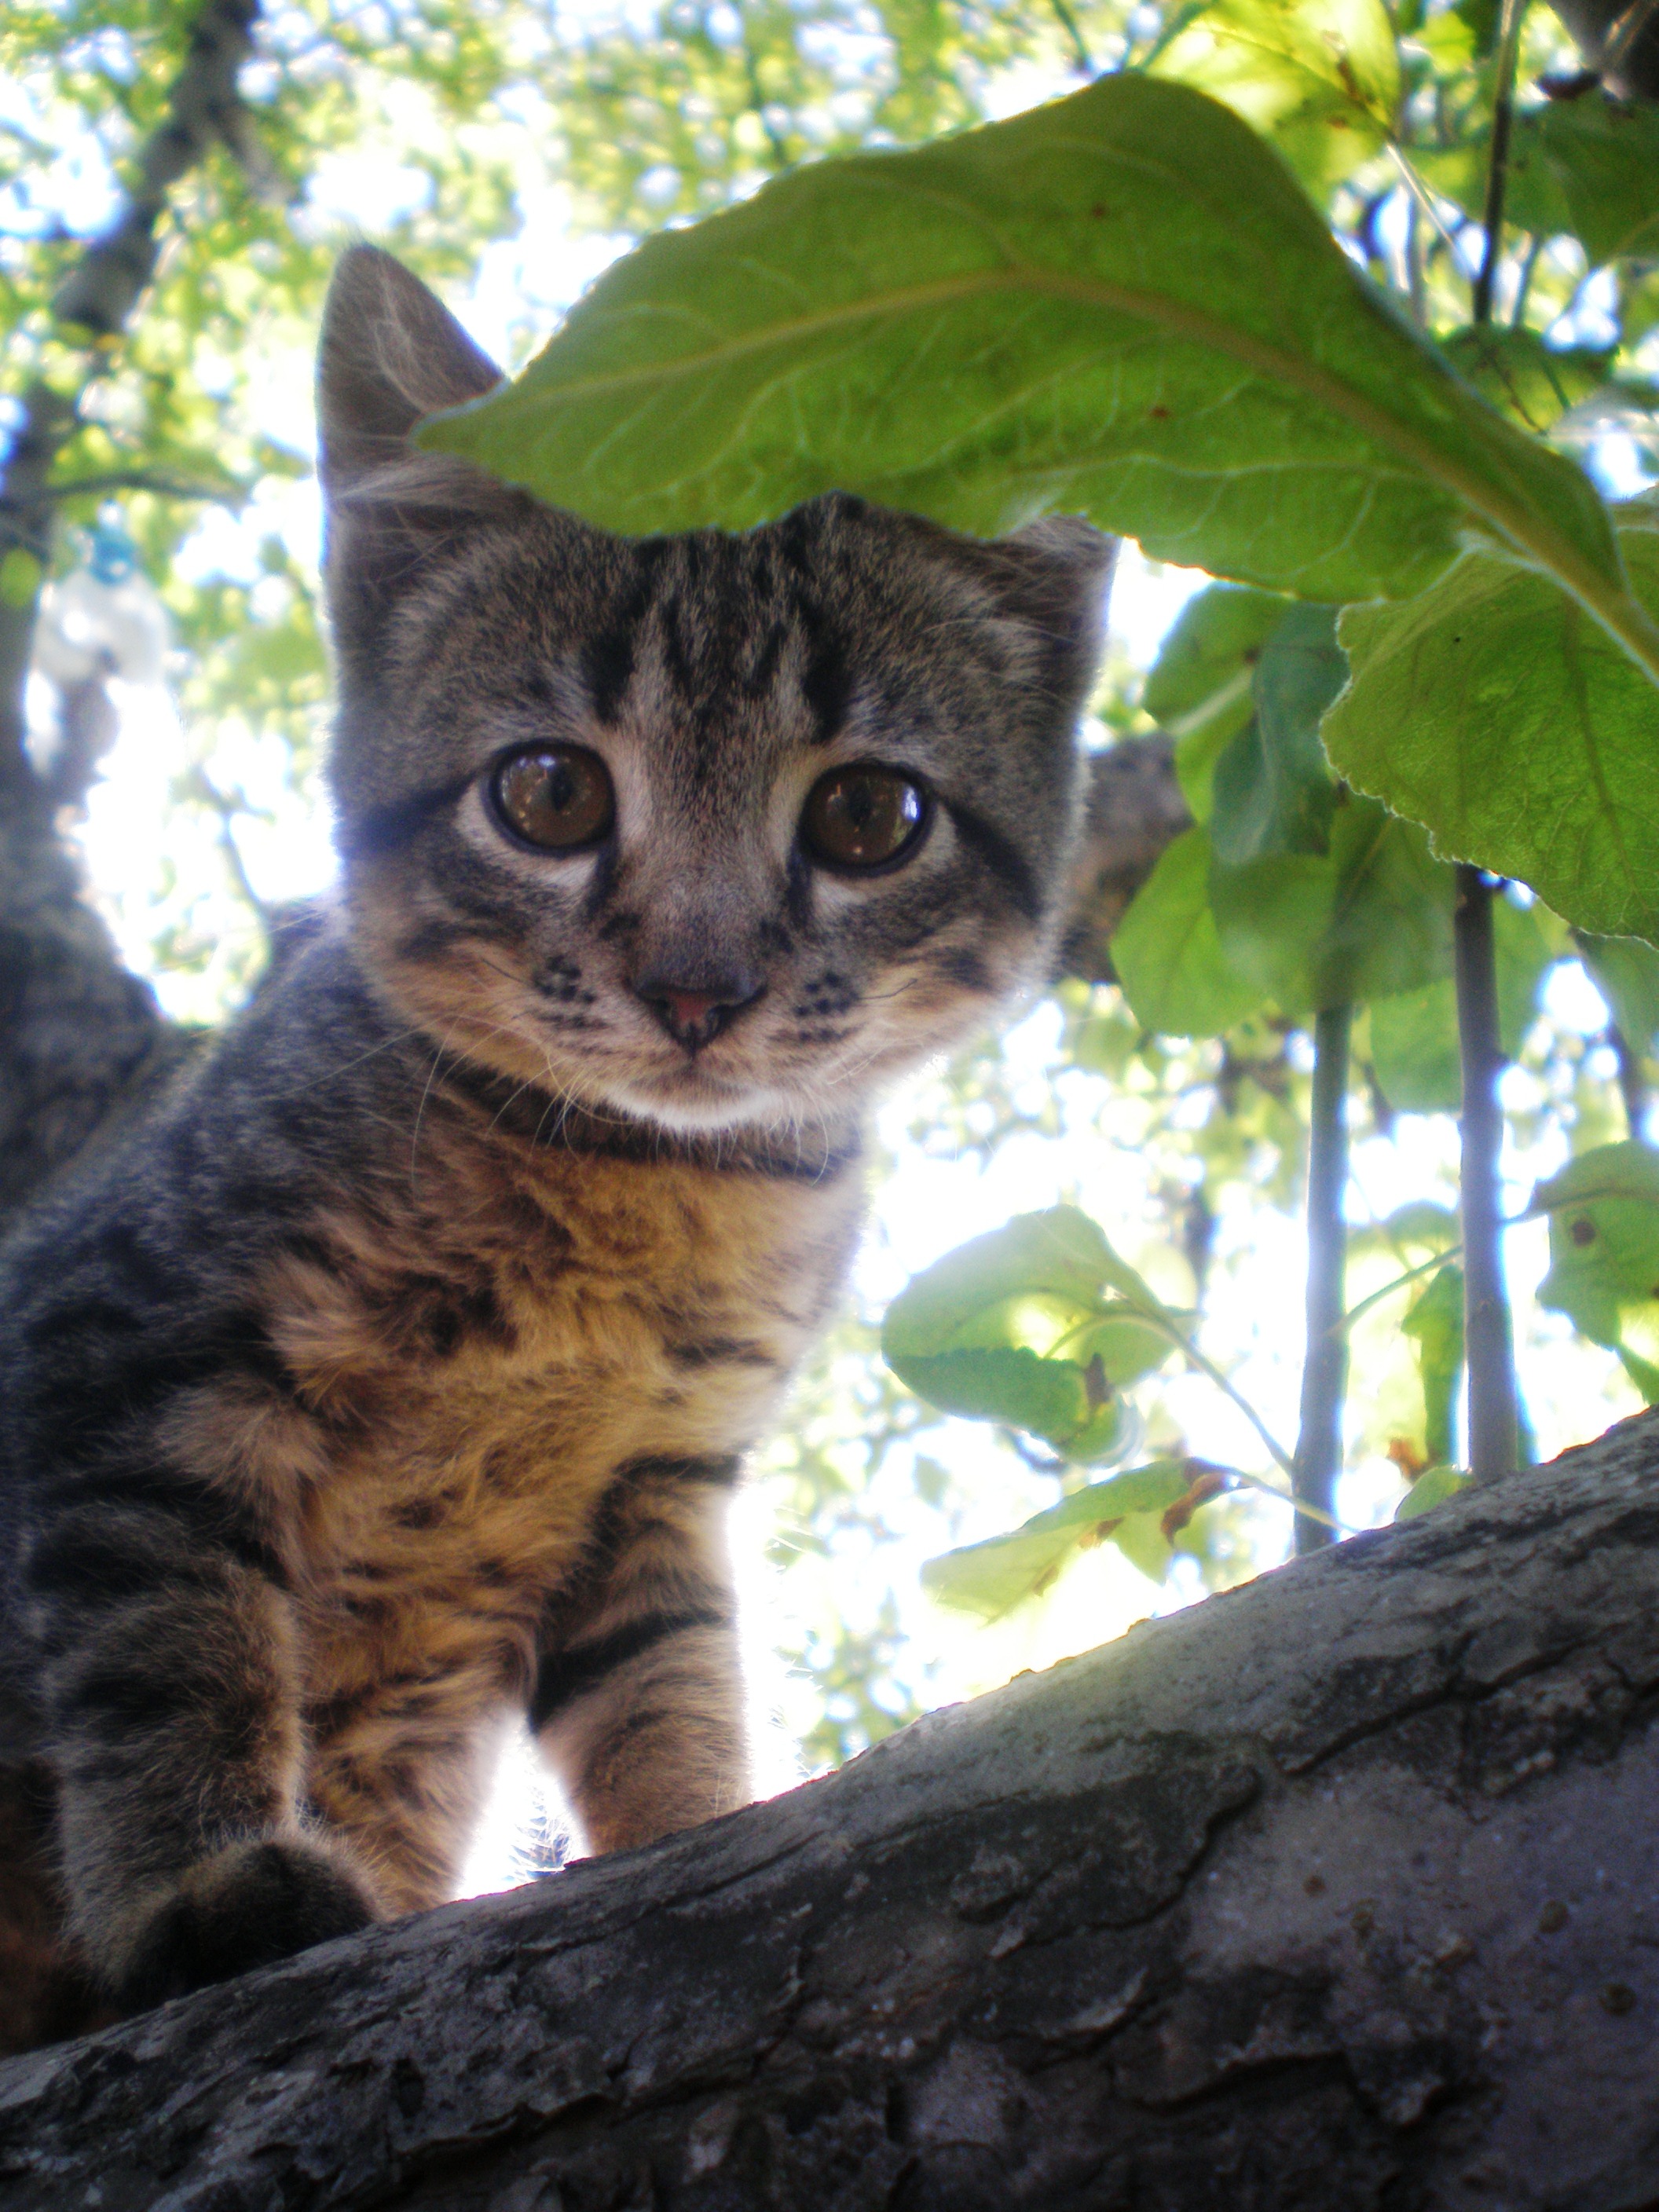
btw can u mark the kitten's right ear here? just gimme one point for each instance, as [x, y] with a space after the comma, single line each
[391, 354]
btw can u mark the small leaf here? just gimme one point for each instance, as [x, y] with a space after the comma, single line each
[1058, 1255]
[1273, 788]
[1200, 688]
[1046, 1398]
[1626, 973]
[1589, 167]
[1494, 710]
[1604, 1240]
[1431, 1489]
[1533, 383]
[1435, 1322]
[1168, 954]
[990, 1578]
[1140, 1538]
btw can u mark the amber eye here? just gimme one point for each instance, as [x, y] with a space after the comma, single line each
[863, 817]
[558, 797]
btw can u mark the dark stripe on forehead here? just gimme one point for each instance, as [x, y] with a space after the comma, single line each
[608, 657]
[1009, 867]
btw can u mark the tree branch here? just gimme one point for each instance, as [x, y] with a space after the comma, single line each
[1332, 1893]
[1325, 1365]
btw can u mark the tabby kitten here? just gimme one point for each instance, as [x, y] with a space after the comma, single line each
[393, 1377]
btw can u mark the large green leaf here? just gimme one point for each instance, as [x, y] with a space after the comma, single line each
[1120, 303]
[1168, 955]
[1273, 788]
[1493, 710]
[1604, 1251]
[1201, 686]
[990, 1578]
[1585, 167]
[1321, 78]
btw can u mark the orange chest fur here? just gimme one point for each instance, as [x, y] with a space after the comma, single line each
[479, 1360]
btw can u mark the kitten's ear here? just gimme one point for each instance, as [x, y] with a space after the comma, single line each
[391, 354]
[1057, 576]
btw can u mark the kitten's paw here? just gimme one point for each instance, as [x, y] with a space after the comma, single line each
[244, 1907]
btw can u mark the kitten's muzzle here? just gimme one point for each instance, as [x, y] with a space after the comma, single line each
[693, 1013]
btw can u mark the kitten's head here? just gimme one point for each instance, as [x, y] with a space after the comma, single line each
[713, 830]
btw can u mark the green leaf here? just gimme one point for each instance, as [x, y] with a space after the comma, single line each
[1321, 78]
[21, 576]
[1431, 1488]
[1586, 167]
[1273, 788]
[1626, 973]
[1059, 1255]
[1371, 918]
[990, 1578]
[1414, 1046]
[1533, 383]
[1120, 303]
[1200, 688]
[1604, 1240]
[1414, 1049]
[1020, 1327]
[1169, 956]
[1495, 711]
[1435, 1322]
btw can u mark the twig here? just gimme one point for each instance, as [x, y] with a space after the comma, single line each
[1488, 1336]
[1498, 171]
[1325, 1364]
[1068, 23]
[1494, 1410]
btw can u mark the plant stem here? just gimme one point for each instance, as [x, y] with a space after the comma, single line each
[1488, 1342]
[1633, 1083]
[1325, 1365]
[1503, 116]
[1494, 1417]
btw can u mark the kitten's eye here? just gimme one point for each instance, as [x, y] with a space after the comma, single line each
[558, 797]
[863, 817]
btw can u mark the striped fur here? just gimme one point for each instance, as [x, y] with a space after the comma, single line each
[395, 1373]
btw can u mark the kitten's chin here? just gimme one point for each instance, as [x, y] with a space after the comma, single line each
[690, 1102]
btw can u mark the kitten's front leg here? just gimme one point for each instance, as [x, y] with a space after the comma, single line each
[639, 1703]
[172, 1724]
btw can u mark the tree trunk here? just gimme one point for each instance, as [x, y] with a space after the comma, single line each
[1338, 1891]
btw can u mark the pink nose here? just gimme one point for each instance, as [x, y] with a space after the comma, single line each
[695, 1018]
[688, 1010]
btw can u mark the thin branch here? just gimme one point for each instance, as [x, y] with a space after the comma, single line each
[1494, 1407]
[1068, 23]
[1325, 1364]
[1497, 172]
[165, 486]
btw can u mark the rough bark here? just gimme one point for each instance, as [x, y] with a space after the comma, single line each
[1336, 1892]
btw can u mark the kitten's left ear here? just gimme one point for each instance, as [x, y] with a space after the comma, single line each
[1056, 574]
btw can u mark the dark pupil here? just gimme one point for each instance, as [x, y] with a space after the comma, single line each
[556, 799]
[863, 819]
